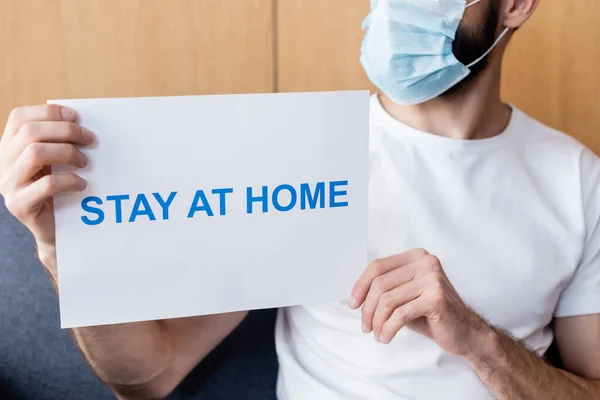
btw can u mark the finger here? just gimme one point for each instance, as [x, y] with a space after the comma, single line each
[50, 132]
[401, 317]
[55, 132]
[27, 201]
[37, 155]
[380, 267]
[45, 112]
[382, 284]
[397, 297]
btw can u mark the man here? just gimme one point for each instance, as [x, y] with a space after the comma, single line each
[509, 207]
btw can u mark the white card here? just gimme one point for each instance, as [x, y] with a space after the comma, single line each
[198, 205]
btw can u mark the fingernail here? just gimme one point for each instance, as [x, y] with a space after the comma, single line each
[83, 159]
[382, 340]
[364, 328]
[67, 114]
[88, 136]
[81, 185]
[352, 302]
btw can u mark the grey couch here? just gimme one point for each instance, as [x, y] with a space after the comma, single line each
[40, 361]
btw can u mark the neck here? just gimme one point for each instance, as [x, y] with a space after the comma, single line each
[476, 112]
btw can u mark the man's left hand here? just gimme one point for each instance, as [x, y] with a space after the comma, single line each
[412, 290]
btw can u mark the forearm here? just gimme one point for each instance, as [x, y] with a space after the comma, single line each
[148, 359]
[510, 371]
[122, 354]
[126, 356]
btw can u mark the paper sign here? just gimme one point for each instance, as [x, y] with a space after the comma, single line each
[198, 205]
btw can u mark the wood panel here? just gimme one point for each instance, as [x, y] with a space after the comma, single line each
[551, 68]
[319, 45]
[121, 48]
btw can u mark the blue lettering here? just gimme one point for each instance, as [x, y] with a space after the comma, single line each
[165, 204]
[293, 199]
[200, 196]
[94, 210]
[333, 193]
[306, 196]
[222, 202]
[118, 209]
[140, 208]
[250, 199]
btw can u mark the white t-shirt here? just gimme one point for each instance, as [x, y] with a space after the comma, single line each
[514, 220]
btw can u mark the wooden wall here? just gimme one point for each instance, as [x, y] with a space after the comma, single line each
[111, 48]
[319, 45]
[553, 68]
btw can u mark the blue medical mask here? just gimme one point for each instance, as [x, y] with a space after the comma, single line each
[407, 49]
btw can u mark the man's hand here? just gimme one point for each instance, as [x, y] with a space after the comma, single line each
[412, 290]
[35, 138]
[137, 360]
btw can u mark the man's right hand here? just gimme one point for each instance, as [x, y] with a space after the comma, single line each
[34, 139]
[137, 360]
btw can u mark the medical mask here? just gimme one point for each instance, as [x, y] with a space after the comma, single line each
[407, 49]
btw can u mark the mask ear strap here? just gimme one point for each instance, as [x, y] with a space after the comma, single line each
[473, 3]
[490, 49]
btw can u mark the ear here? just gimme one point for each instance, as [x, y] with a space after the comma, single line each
[517, 12]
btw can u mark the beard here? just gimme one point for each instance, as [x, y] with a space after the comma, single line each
[471, 42]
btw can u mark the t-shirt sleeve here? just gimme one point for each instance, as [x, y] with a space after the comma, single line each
[582, 294]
